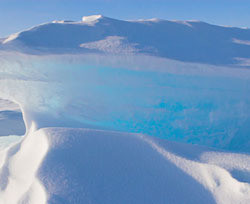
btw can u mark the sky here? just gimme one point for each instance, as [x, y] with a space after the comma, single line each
[17, 15]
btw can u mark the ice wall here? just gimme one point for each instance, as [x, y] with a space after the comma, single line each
[184, 102]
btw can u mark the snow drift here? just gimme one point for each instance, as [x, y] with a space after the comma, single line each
[90, 166]
[173, 81]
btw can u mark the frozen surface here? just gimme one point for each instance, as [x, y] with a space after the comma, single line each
[90, 166]
[109, 113]
[188, 41]
[194, 103]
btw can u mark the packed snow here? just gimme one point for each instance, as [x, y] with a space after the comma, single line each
[146, 111]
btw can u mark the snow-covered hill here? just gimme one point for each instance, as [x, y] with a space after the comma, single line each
[189, 41]
[147, 111]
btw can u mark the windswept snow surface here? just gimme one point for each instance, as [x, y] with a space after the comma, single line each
[93, 166]
[188, 41]
[109, 107]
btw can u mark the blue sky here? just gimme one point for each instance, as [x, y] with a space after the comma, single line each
[16, 15]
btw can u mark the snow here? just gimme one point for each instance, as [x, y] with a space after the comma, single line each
[242, 42]
[112, 111]
[184, 22]
[6, 105]
[118, 168]
[112, 44]
[89, 19]
[18, 173]
[62, 21]
[11, 38]
[186, 41]
[6, 141]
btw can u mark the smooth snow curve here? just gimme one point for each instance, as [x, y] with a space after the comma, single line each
[119, 168]
[19, 170]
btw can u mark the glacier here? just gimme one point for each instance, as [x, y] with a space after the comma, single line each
[126, 112]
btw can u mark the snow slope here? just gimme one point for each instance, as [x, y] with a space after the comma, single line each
[189, 41]
[90, 166]
[109, 107]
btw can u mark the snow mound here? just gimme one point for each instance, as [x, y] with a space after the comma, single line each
[187, 41]
[115, 168]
